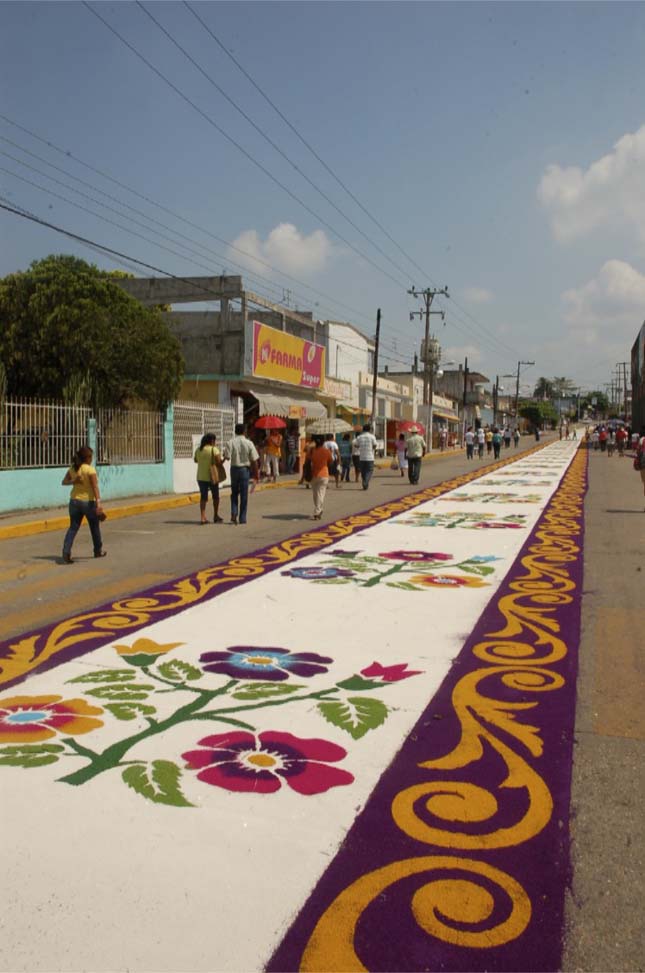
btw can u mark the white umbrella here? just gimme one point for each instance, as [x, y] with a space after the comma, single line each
[323, 426]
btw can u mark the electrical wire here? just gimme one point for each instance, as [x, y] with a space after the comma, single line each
[248, 155]
[18, 210]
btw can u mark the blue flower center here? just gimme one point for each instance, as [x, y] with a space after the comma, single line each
[28, 716]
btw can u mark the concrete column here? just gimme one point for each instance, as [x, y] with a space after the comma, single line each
[91, 434]
[168, 449]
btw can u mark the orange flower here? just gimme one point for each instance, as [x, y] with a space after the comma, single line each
[447, 581]
[28, 719]
[144, 651]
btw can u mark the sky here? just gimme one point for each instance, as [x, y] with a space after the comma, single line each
[497, 149]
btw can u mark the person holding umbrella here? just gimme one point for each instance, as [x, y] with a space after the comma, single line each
[271, 449]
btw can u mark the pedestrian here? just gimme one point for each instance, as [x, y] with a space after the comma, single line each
[334, 468]
[489, 440]
[416, 449]
[292, 448]
[469, 439]
[639, 459]
[209, 462]
[321, 458]
[481, 439]
[516, 437]
[367, 446]
[345, 448]
[443, 438]
[603, 436]
[273, 451]
[621, 437]
[595, 439]
[305, 463]
[244, 464]
[497, 443]
[84, 501]
[611, 442]
[507, 437]
[537, 433]
[574, 435]
[401, 454]
[356, 459]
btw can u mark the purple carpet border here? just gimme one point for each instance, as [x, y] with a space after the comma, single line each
[460, 858]
[63, 641]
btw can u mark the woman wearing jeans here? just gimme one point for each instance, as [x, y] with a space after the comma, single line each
[85, 501]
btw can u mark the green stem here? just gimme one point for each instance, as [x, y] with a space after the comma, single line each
[168, 682]
[216, 713]
[112, 756]
[379, 577]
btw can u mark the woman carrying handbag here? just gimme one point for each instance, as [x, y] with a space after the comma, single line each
[85, 501]
[210, 473]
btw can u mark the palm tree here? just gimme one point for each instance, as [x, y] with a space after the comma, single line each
[543, 389]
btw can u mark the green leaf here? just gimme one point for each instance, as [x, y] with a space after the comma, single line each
[106, 675]
[178, 671]
[128, 692]
[30, 755]
[332, 581]
[262, 690]
[356, 682]
[129, 711]
[356, 715]
[476, 568]
[402, 584]
[158, 782]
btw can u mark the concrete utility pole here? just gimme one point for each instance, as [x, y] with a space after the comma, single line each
[623, 365]
[517, 387]
[375, 375]
[428, 296]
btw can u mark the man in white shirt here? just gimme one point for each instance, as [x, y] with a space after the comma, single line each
[415, 449]
[481, 439]
[469, 439]
[244, 463]
[366, 443]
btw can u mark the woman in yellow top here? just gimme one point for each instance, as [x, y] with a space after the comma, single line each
[85, 501]
[208, 457]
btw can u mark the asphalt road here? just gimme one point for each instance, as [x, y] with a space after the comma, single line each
[36, 589]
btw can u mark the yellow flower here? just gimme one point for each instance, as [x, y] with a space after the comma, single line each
[144, 651]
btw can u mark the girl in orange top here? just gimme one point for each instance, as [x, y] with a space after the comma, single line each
[320, 458]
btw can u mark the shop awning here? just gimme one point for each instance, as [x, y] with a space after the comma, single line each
[354, 409]
[286, 404]
[446, 414]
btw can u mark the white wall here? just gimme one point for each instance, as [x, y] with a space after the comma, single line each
[347, 353]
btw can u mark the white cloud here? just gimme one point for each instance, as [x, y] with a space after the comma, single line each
[478, 295]
[285, 248]
[610, 193]
[609, 308]
[458, 353]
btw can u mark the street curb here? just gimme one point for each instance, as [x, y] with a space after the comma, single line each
[47, 524]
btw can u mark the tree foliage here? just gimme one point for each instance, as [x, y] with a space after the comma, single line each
[538, 413]
[67, 330]
[602, 403]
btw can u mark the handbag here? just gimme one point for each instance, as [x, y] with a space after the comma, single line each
[307, 471]
[394, 465]
[101, 515]
[217, 470]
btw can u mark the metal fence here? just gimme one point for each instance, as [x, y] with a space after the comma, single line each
[195, 419]
[40, 433]
[126, 436]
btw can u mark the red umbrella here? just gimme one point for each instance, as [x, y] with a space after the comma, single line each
[270, 422]
[409, 426]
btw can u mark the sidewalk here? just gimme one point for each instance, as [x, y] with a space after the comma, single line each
[24, 523]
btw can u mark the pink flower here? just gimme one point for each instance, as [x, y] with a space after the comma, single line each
[240, 761]
[390, 673]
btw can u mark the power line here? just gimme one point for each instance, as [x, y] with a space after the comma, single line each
[237, 145]
[21, 211]
[264, 135]
[160, 206]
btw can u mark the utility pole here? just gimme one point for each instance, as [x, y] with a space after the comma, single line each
[463, 439]
[623, 365]
[428, 296]
[375, 375]
[495, 399]
[517, 387]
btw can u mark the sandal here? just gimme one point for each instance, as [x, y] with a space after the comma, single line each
[100, 553]
[67, 559]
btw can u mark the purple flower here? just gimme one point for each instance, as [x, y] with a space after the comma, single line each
[315, 574]
[416, 556]
[254, 662]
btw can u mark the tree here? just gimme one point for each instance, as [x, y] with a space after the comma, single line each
[68, 331]
[543, 389]
[602, 403]
[538, 413]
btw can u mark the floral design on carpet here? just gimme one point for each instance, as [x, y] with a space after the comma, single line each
[470, 521]
[241, 759]
[515, 482]
[402, 569]
[492, 498]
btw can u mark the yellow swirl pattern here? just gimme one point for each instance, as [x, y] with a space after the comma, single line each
[128, 614]
[467, 900]
[449, 813]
